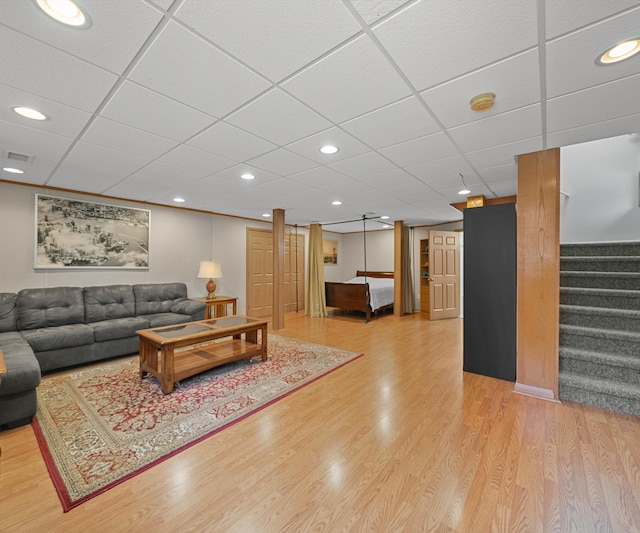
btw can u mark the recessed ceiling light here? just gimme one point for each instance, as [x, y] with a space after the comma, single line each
[464, 192]
[179, 200]
[336, 202]
[619, 52]
[13, 170]
[65, 11]
[384, 217]
[248, 176]
[266, 215]
[329, 149]
[28, 112]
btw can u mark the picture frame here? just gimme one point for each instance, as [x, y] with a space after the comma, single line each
[329, 252]
[72, 233]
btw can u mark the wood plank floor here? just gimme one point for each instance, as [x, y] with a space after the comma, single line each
[398, 440]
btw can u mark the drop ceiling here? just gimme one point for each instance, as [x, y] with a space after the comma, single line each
[161, 99]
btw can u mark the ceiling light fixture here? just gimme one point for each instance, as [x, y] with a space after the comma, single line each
[266, 215]
[336, 202]
[179, 200]
[13, 170]
[66, 12]
[619, 52]
[384, 217]
[28, 112]
[465, 190]
[248, 176]
[482, 102]
[329, 149]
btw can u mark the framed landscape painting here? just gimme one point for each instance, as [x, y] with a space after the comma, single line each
[73, 233]
[330, 252]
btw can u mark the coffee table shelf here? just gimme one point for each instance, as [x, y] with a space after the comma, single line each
[174, 353]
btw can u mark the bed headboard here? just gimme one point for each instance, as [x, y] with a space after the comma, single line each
[374, 274]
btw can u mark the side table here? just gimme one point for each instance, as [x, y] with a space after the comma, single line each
[218, 306]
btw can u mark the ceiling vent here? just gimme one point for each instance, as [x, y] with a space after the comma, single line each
[7, 154]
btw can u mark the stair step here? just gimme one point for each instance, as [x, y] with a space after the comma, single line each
[600, 339]
[623, 368]
[613, 263]
[598, 392]
[587, 297]
[600, 248]
[600, 280]
[600, 317]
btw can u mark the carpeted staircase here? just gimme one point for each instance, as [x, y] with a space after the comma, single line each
[600, 325]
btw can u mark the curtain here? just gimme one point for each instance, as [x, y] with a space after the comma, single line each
[407, 285]
[316, 300]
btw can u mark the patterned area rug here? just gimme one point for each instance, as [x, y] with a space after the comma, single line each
[101, 425]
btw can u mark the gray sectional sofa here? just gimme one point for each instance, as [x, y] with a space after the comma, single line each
[43, 330]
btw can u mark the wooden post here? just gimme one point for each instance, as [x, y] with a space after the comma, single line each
[538, 216]
[398, 292]
[278, 269]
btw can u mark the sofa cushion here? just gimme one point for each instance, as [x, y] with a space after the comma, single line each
[7, 312]
[157, 297]
[110, 301]
[50, 307]
[58, 337]
[165, 319]
[188, 307]
[118, 328]
[23, 370]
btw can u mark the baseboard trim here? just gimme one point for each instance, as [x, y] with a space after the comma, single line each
[535, 392]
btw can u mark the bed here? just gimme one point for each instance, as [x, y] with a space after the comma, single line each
[368, 292]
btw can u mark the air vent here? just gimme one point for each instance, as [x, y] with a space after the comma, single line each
[7, 154]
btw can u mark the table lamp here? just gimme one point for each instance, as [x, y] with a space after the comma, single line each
[210, 269]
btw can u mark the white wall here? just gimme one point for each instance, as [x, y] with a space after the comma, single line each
[601, 179]
[179, 240]
[379, 252]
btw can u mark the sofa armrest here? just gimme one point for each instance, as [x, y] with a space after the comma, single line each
[188, 307]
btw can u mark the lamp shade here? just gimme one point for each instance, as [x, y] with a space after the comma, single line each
[210, 269]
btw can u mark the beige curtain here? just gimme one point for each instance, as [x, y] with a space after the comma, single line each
[407, 284]
[316, 300]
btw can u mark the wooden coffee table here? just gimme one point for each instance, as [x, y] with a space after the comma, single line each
[173, 353]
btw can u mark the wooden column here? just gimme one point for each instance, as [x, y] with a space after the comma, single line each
[538, 216]
[278, 269]
[398, 292]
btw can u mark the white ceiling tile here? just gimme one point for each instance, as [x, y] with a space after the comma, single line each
[429, 171]
[41, 145]
[198, 161]
[126, 139]
[592, 132]
[393, 124]
[318, 177]
[282, 162]
[118, 29]
[385, 179]
[372, 10]
[439, 40]
[363, 165]
[233, 174]
[348, 146]
[183, 66]
[223, 138]
[278, 118]
[570, 60]
[351, 81]
[146, 110]
[62, 119]
[275, 38]
[569, 15]
[503, 154]
[46, 72]
[614, 100]
[434, 146]
[515, 82]
[515, 125]
[101, 157]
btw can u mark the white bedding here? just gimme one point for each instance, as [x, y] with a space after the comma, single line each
[380, 289]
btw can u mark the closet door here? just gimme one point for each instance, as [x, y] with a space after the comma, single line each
[490, 291]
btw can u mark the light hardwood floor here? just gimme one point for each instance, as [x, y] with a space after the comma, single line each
[398, 440]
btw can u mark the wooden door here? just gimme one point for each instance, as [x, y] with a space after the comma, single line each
[260, 273]
[444, 275]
